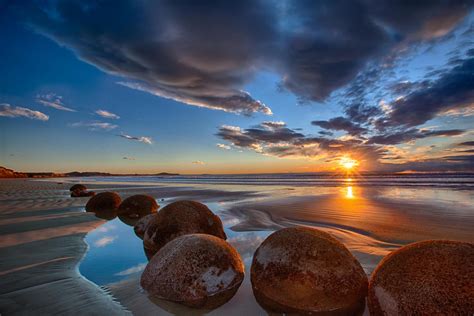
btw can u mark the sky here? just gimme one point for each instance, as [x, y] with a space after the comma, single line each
[252, 86]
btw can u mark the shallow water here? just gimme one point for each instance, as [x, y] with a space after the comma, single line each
[115, 252]
[370, 220]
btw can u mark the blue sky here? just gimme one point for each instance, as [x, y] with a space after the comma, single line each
[65, 66]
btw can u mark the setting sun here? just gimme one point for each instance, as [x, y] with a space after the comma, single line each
[348, 163]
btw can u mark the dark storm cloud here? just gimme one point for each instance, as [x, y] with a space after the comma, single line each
[341, 124]
[203, 53]
[285, 142]
[376, 153]
[452, 90]
[196, 52]
[409, 135]
[328, 46]
[325, 133]
[331, 41]
[405, 87]
[251, 137]
[462, 159]
[418, 19]
[361, 113]
[447, 163]
[470, 143]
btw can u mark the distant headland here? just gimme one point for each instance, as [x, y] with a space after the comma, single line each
[9, 173]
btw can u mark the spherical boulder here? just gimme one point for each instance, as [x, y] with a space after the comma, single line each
[104, 202]
[181, 218]
[305, 271]
[196, 270]
[142, 225]
[78, 187]
[137, 206]
[425, 278]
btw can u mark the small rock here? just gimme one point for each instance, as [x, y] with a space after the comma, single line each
[302, 270]
[104, 202]
[196, 270]
[181, 218]
[425, 278]
[137, 206]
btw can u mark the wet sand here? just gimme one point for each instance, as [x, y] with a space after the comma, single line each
[43, 231]
[41, 243]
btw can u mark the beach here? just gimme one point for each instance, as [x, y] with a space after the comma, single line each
[58, 259]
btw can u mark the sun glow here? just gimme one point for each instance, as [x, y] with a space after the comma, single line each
[348, 163]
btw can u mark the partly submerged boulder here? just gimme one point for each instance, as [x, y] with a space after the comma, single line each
[424, 278]
[104, 202]
[78, 187]
[78, 193]
[181, 218]
[303, 270]
[142, 225]
[137, 206]
[195, 270]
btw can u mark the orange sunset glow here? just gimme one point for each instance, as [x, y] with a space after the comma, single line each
[348, 163]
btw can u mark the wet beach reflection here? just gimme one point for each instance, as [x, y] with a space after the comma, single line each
[370, 221]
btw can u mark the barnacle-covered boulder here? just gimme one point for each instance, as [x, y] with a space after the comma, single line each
[137, 206]
[104, 202]
[181, 218]
[302, 270]
[425, 278]
[196, 270]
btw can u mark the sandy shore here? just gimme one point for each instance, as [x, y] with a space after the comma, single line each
[42, 241]
[42, 234]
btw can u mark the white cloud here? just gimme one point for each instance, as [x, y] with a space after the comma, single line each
[223, 146]
[142, 139]
[135, 269]
[273, 124]
[17, 111]
[199, 162]
[234, 101]
[94, 126]
[104, 241]
[232, 128]
[107, 114]
[53, 101]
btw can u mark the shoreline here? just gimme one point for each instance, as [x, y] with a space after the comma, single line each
[42, 261]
